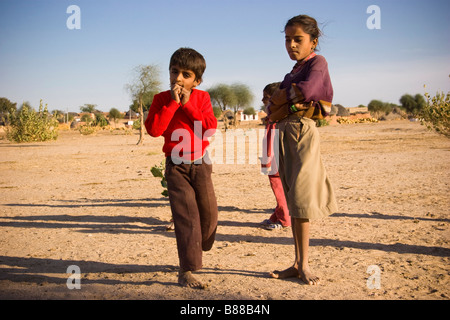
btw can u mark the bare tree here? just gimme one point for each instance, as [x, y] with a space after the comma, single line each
[145, 83]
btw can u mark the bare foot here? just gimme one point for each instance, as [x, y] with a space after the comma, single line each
[186, 279]
[170, 227]
[307, 277]
[291, 272]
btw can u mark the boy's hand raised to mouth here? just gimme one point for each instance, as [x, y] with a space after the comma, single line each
[180, 94]
[175, 91]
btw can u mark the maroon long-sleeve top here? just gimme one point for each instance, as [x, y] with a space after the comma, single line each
[313, 80]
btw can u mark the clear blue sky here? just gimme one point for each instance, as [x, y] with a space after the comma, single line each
[242, 41]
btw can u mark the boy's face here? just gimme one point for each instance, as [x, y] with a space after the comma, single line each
[298, 43]
[183, 78]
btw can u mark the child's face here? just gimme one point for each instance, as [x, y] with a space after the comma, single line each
[183, 78]
[265, 99]
[298, 43]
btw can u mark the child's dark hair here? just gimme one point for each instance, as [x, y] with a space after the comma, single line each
[271, 87]
[189, 59]
[308, 24]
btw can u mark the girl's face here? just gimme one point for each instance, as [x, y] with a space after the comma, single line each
[298, 43]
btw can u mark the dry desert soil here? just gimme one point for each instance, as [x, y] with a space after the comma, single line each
[92, 202]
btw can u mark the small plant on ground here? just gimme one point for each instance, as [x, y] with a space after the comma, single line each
[88, 129]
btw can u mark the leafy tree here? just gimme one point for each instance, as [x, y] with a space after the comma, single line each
[217, 112]
[7, 110]
[90, 108]
[235, 96]
[413, 105]
[420, 100]
[408, 103]
[145, 86]
[249, 111]
[115, 114]
[243, 95]
[223, 96]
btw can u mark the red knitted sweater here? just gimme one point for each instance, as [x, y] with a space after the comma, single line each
[185, 128]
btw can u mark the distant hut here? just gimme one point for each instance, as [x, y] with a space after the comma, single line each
[130, 114]
[342, 111]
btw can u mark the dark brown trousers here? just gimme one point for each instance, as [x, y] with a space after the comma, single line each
[194, 210]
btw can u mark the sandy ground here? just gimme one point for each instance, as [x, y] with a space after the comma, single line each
[91, 201]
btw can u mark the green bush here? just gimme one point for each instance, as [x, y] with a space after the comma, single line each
[87, 118]
[100, 120]
[87, 129]
[379, 108]
[137, 124]
[436, 113]
[217, 112]
[30, 126]
[322, 123]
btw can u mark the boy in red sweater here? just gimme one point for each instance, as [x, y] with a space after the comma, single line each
[183, 115]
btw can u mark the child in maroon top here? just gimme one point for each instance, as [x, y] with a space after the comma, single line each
[308, 191]
[184, 116]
